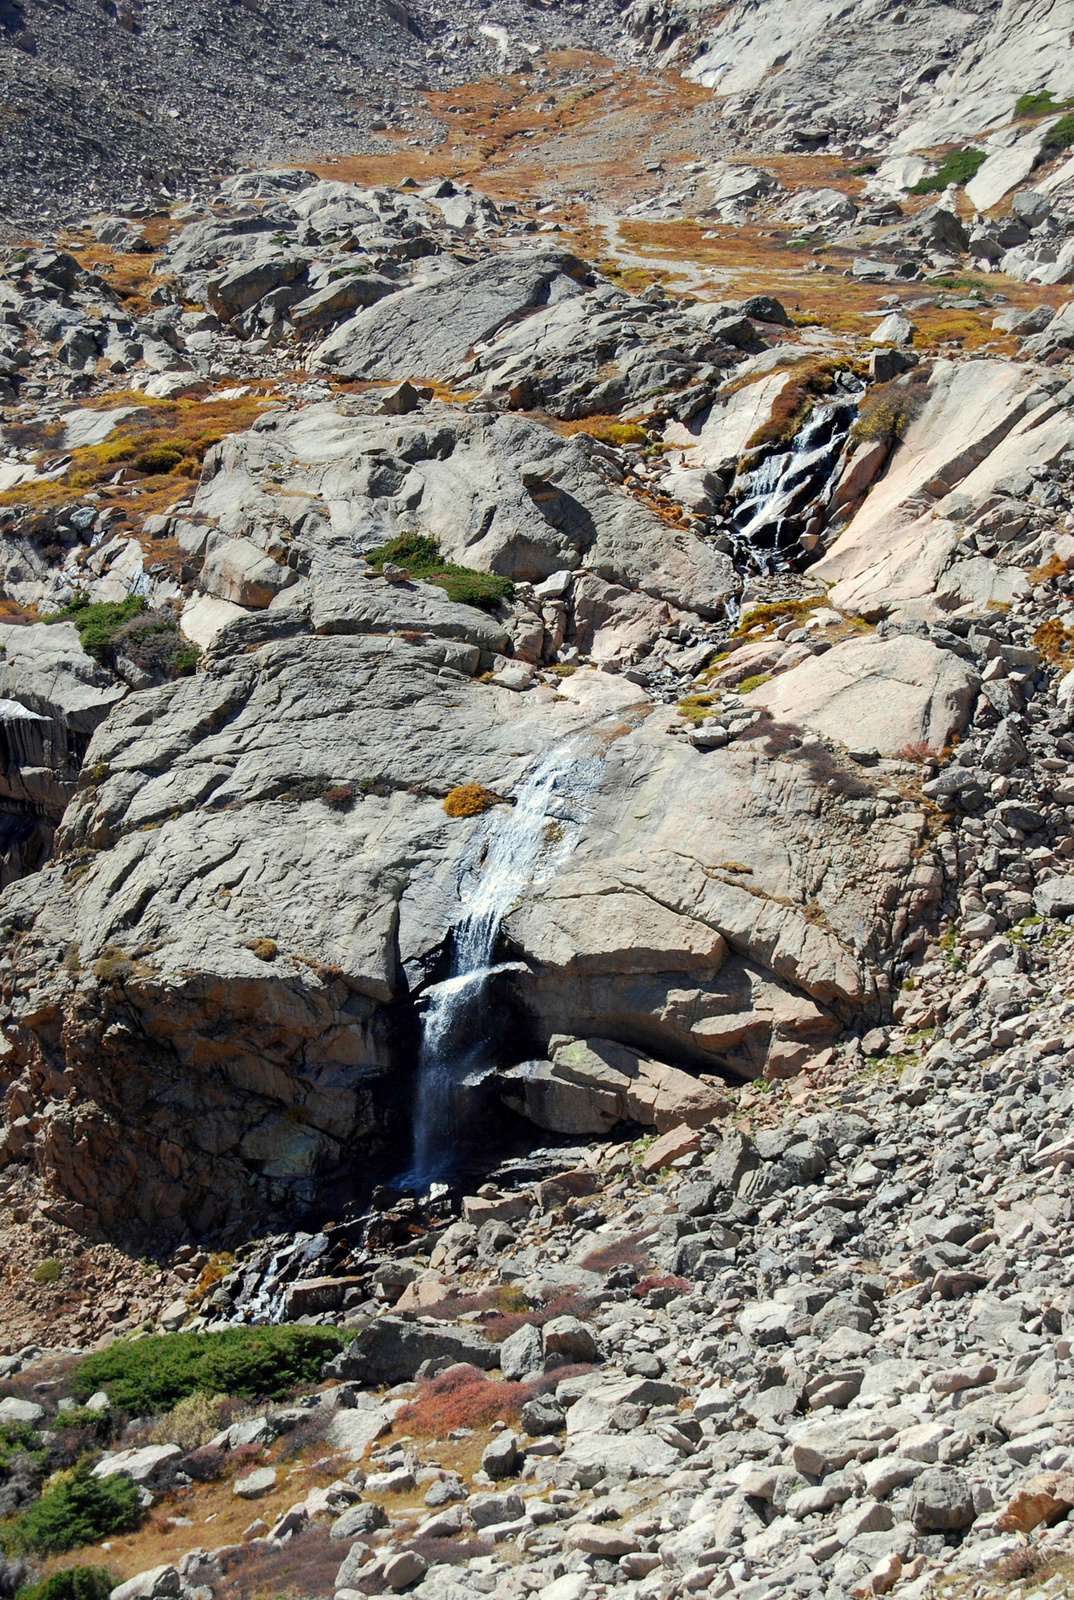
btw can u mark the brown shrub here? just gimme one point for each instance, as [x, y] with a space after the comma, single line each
[647, 1285]
[1054, 567]
[630, 1252]
[311, 1431]
[548, 1382]
[339, 798]
[781, 738]
[794, 403]
[306, 1565]
[463, 1397]
[263, 949]
[1027, 1563]
[772, 612]
[193, 1422]
[887, 412]
[1054, 642]
[448, 1552]
[471, 799]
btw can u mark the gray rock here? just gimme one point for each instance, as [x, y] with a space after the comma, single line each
[500, 1457]
[158, 1583]
[390, 1350]
[429, 330]
[521, 1352]
[568, 1336]
[485, 1510]
[255, 1484]
[244, 284]
[841, 1313]
[13, 1409]
[351, 1565]
[1055, 897]
[941, 1501]
[445, 1491]
[734, 1159]
[359, 1520]
[326, 306]
[151, 1464]
[404, 1569]
[542, 1416]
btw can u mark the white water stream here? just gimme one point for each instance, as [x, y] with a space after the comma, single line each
[512, 849]
[780, 495]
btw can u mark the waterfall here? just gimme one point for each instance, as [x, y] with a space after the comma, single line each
[511, 850]
[781, 503]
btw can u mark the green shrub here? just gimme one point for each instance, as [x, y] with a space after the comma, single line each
[753, 683]
[76, 1510]
[158, 459]
[958, 167]
[98, 623]
[1061, 136]
[153, 1375]
[469, 588]
[150, 639]
[1041, 104]
[865, 170]
[73, 1583]
[47, 1271]
[421, 556]
[19, 1439]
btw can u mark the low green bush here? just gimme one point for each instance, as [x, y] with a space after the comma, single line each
[72, 1583]
[151, 640]
[159, 459]
[957, 167]
[1061, 136]
[19, 1439]
[76, 1510]
[1040, 104]
[147, 1376]
[421, 557]
[99, 622]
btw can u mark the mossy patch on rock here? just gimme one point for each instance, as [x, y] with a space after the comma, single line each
[421, 557]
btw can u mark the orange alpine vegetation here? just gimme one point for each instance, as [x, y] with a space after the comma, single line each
[471, 799]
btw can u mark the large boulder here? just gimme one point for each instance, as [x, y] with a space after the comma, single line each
[887, 693]
[719, 434]
[596, 350]
[258, 875]
[591, 1084]
[241, 286]
[429, 330]
[390, 1350]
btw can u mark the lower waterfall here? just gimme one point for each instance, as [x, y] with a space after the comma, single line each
[512, 849]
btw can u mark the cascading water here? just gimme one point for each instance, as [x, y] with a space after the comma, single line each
[781, 503]
[511, 850]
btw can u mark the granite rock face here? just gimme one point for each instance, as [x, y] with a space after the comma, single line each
[213, 965]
